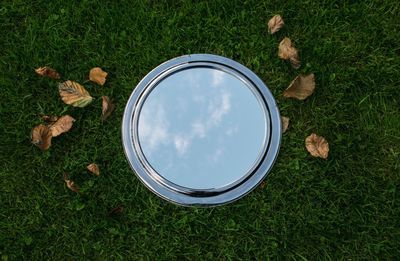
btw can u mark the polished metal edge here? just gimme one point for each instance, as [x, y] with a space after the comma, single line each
[185, 199]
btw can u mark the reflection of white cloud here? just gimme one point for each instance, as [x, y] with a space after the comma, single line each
[217, 77]
[217, 112]
[155, 122]
[193, 79]
[217, 154]
[217, 109]
[199, 129]
[232, 131]
[199, 99]
[181, 144]
[153, 127]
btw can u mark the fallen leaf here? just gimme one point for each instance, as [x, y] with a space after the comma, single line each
[94, 169]
[108, 107]
[275, 24]
[117, 211]
[262, 185]
[317, 146]
[285, 123]
[48, 72]
[49, 118]
[286, 49]
[288, 52]
[301, 87]
[74, 94]
[63, 124]
[70, 184]
[97, 75]
[41, 136]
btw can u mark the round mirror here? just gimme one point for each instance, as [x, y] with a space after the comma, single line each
[201, 130]
[196, 121]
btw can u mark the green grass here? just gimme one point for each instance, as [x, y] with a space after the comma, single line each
[347, 207]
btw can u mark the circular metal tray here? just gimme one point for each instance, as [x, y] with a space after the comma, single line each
[228, 186]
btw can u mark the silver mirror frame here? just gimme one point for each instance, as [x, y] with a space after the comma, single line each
[185, 196]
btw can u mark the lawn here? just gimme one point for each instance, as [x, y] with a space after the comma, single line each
[345, 207]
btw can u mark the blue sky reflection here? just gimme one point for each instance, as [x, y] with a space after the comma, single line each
[201, 128]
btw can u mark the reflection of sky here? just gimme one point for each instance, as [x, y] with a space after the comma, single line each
[201, 128]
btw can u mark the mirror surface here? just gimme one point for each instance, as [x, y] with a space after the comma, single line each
[202, 128]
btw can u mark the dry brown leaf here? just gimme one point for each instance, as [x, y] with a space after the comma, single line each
[94, 169]
[301, 87]
[70, 184]
[288, 52]
[117, 211]
[41, 136]
[285, 123]
[317, 146]
[295, 62]
[49, 118]
[48, 72]
[63, 124]
[74, 94]
[286, 49]
[275, 24]
[97, 75]
[108, 107]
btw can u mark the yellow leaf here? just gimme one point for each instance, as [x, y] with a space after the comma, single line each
[41, 136]
[97, 75]
[70, 184]
[275, 24]
[48, 72]
[301, 87]
[288, 52]
[107, 107]
[317, 146]
[285, 123]
[63, 124]
[94, 169]
[74, 94]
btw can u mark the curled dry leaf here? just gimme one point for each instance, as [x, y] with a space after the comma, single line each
[317, 146]
[63, 124]
[285, 123]
[74, 94]
[70, 184]
[301, 87]
[117, 211]
[48, 72]
[49, 118]
[94, 169]
[41, 136]
[107, 107]
[288, 52]
[275, 24]
[97, 75]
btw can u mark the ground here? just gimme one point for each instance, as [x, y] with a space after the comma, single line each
[345, 207]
